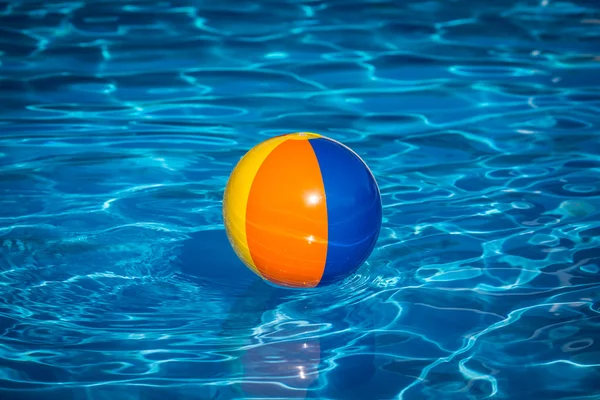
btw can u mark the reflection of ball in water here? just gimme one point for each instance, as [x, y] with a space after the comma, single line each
[302, 210]
[281, 369]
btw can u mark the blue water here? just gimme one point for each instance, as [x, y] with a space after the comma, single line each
[120, 122]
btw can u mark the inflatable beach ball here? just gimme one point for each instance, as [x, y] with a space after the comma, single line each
[302, 210]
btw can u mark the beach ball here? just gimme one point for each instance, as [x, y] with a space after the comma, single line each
[302, 210]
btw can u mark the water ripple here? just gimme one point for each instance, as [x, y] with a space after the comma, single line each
[121, 121]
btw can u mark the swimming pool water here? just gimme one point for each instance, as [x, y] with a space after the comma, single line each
[120, 122]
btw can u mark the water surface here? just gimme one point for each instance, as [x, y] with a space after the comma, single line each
[120, 122]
